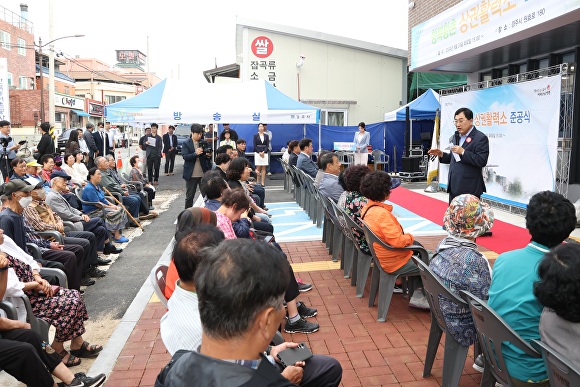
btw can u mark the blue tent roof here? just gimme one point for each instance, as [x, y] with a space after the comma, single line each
[421, 108]
[148, 99]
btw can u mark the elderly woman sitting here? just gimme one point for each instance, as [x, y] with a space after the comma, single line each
[559, 291]
[458, 263]
[63, 308]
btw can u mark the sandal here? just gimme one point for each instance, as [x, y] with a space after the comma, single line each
[87, 350]
[72, 359]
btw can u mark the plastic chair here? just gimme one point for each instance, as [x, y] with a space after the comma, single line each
[360, 258]
[348, 249]
[345, 158]
[455, 353]
[337, 250]
[79, 193]
[381, 158]
[381, 280]
[9, 309]
[492, 332]
[328, 225]
[561, 371]
[157, 278]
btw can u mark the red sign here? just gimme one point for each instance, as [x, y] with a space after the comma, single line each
[262, 47]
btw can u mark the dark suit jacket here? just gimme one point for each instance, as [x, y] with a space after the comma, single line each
[466, 176]
[166, 145]
[90, 140]
[190, 158]
[261, 146]
[293, 159]
[99, 142]
[154, 151]
[306, 164]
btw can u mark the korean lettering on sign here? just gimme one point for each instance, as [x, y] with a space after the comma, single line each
[490, 119]
[481, 13]
[260, 67]
[520, 116]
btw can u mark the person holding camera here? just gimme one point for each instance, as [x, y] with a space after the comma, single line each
[153, 147]
[7, 148]
[196, 155]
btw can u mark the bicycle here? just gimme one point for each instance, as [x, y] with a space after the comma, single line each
[24, 151]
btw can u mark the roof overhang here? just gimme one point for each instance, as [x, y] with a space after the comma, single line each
[228, 71]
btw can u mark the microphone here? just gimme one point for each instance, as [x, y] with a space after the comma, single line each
[456, 137]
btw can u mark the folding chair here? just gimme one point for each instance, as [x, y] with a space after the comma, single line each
[381, 158]
[360, 256]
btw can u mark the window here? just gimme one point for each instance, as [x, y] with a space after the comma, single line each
[66, 90]
[543, 63]
[9, 76]
[569, 57]
[23, 83]
[21, 47]
[5, 40]
[335, 117]
[114, 98]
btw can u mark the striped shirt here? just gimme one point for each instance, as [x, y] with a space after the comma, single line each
[181, 325]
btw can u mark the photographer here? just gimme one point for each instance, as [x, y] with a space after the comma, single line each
[197, 159]
[7, 147]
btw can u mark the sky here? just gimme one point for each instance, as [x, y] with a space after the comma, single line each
[189, 36]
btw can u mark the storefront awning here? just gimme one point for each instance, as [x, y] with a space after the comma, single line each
[81, 113]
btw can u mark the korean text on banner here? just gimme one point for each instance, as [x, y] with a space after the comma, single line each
[521, 121]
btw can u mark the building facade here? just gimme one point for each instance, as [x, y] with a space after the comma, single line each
[349, 80]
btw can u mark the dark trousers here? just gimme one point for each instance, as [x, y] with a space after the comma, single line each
[132, 203]
[153, 164]
[190, 188]
[263, 226]
[89, 244]
[71, 262]
[96, 226]
[169, 161]
[22, 356]
[150, 194]
[260, 192]
[320, 371]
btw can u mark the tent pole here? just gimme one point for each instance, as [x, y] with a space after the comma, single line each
[319, 137]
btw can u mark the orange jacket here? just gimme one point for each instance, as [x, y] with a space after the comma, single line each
[380, 219]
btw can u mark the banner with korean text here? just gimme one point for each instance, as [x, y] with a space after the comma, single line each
[522, 122]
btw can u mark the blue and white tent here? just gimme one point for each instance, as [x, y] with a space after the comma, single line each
[172, 101]
[421, 108]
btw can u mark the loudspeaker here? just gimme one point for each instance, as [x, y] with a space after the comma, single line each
[411, 164]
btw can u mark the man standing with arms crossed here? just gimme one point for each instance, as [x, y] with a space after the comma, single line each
[469, 154]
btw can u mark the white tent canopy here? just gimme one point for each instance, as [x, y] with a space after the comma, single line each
[173, 101]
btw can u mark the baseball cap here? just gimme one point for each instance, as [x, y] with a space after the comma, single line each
[16, 185]
[395, 182]
[33, 164]
[59, 174]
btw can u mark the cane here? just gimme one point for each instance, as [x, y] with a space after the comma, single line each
[123, 207]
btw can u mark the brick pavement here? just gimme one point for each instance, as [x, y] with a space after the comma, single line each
[371, 353]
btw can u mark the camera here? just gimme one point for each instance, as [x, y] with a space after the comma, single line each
[207, 149]
[5, 141]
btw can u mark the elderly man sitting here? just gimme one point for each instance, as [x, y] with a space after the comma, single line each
[39, 214]
[81, 222]
[131, 201]
[239, 319]
[329, 186]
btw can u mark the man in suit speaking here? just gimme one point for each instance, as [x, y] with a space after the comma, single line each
[469, 154]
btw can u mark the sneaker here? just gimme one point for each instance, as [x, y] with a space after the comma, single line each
[478, 364]
[269, 174]
[304, 311]
[303, 287]
[301, 326]
[398, 289]
[82, 380]
[419, 301]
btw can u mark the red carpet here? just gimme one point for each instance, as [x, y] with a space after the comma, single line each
[505, 236]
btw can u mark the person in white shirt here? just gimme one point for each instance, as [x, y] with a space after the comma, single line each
[181, 325]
